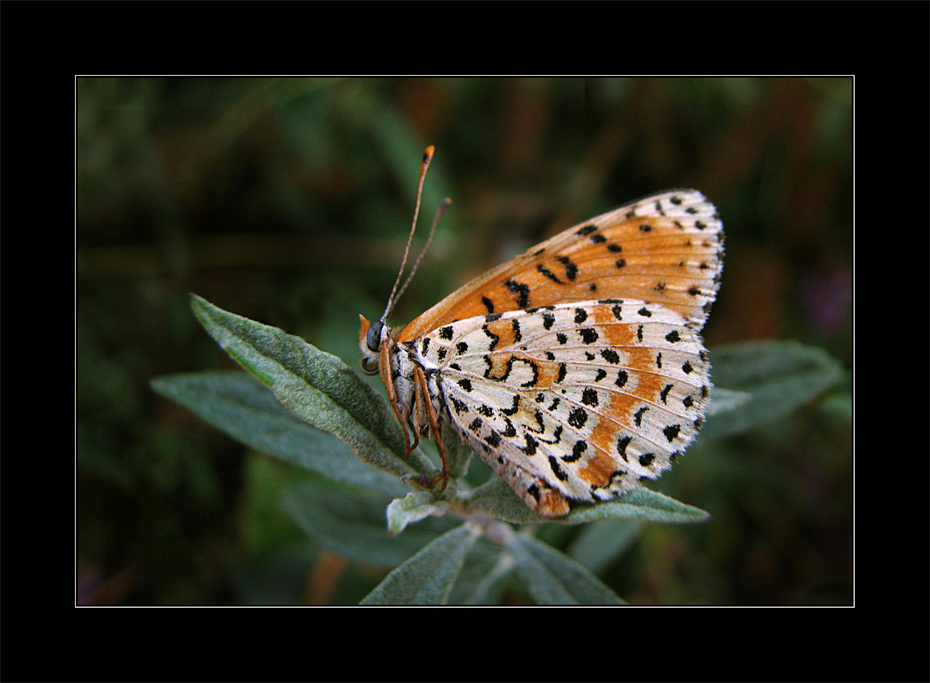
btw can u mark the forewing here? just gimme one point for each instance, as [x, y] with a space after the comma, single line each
[665, 248]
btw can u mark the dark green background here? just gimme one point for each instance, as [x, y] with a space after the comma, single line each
[288, 201]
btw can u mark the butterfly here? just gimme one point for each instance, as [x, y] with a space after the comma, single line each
[575, 370]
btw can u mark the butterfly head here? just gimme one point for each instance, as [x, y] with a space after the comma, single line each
[370, 338]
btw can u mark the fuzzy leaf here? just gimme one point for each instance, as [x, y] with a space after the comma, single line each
[779, 376]
[597, 545]
[497, 499]
[412, 508]
[484, 576]
[553, 578]
[246, 410]
[426, 578]
[351, 522]
[314, 385]
[723, 400]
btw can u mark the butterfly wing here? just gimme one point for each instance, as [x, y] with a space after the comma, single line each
[573, 401]
[666, 248]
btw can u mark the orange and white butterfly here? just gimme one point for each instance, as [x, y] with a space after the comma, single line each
[576, 369]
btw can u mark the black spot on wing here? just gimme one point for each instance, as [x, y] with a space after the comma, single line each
[521, 290]
[571, 270]
[549, 274]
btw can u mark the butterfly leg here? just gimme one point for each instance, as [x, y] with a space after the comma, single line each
[422, 390]
[416, 438]
[387, 378]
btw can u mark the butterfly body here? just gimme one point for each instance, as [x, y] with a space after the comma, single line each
[575, 370]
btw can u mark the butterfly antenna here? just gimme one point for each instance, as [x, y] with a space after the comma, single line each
[439, 213]
[424, 165]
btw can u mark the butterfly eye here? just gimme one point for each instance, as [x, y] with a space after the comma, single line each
[373, 339]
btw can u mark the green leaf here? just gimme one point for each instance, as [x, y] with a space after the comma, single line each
[599, 544]
[497, 499]
[723, 400]
[426, 578]
[644, 504]
[839, 405]
[246, 410]
[780, 377]
[315, 386]
[350, 521]
[412, 508]
[553, 578]
[484, 576]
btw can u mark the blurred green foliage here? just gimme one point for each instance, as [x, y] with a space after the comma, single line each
[288, 201]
